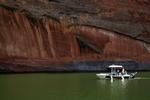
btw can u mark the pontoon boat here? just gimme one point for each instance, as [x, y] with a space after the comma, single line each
[117, 71]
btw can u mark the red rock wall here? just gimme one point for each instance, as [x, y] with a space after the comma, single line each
[20, 37]
[23, 37]
[116, 46]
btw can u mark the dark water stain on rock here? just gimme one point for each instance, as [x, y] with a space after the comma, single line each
[46, 33]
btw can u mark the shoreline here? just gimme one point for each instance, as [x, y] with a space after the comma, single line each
[70, 67]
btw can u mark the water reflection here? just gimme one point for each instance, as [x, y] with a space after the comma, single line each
[115, 90]
[122, 84]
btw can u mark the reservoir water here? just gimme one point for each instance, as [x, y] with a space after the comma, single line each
[72, 86]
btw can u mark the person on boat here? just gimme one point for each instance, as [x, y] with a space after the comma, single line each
[118, 71]
[123, 71]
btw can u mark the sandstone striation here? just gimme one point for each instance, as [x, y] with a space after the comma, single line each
[73, 35]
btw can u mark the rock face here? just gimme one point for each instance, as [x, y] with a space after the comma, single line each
[73, 35]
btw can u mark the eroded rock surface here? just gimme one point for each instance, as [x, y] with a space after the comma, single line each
[48, 34]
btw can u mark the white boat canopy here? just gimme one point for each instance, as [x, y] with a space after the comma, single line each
[115, 66]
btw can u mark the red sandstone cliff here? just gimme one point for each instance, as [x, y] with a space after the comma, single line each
[51, 32]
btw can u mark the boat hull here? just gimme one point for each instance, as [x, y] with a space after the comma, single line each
[116, 76]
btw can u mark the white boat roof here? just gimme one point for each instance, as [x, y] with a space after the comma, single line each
[115, 66]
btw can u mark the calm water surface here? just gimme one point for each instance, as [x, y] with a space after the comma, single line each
[75, 86]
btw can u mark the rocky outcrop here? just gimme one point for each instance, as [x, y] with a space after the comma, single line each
[48, 35]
